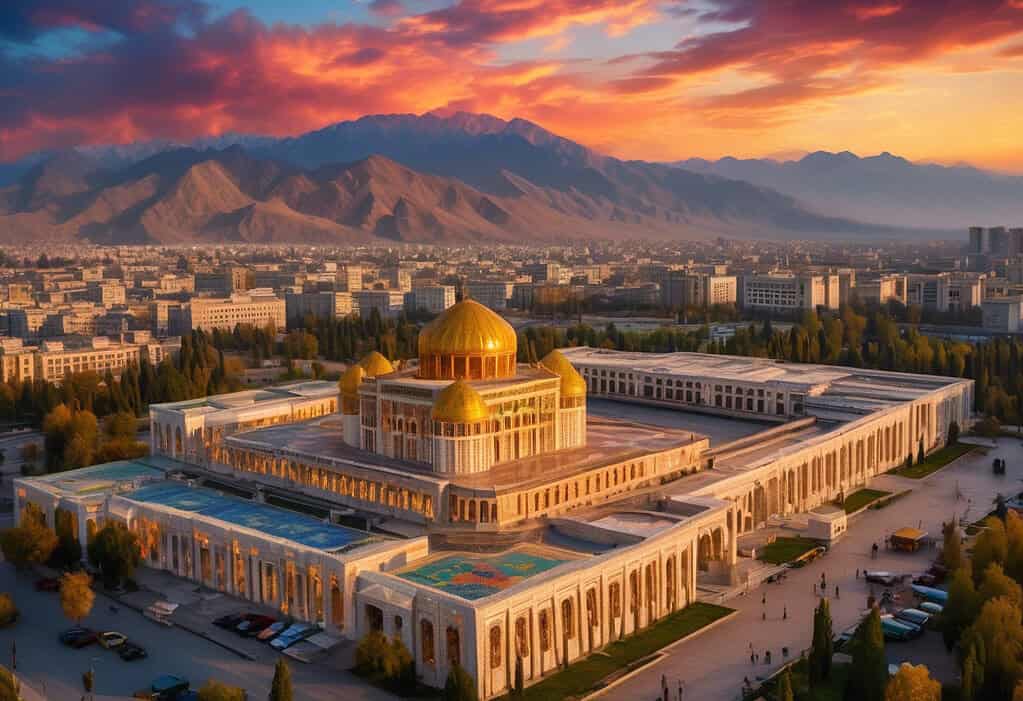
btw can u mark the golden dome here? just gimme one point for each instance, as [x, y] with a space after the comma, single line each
[459, 403]
[572, 383]
[467, 328]
[467, 340]
[351, 380]
[375, 364]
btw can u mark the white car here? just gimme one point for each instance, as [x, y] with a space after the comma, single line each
[880, 577]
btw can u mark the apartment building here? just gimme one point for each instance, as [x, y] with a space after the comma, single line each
[257, 307]
[53, 360]
[388, 303]
[686, 289]
[322, 305]
[882, 289]
[349, 278]
[789, 292]
[1003, 314]
[491, 294]
[432, 298]
[945, 292]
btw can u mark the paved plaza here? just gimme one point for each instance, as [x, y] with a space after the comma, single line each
[713, 665]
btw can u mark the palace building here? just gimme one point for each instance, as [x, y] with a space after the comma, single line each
[467, 504]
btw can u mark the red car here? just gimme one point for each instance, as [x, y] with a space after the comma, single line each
[48, 584]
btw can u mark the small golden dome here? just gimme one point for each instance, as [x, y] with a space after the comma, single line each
[459, 403]
[467, 328]
[351, 380]
[572, 383]
[375, 365]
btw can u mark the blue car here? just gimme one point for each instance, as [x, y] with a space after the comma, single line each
[298, 631]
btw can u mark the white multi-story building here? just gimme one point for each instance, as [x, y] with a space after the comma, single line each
[490, 294]
[322, 305]
[432, 298]
[788, 292]
[257, 307]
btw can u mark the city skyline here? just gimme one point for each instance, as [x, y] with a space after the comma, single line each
[637, 79]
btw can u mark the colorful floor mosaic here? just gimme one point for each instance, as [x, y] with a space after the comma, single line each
[477, 576]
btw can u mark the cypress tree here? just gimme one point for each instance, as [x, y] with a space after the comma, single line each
[869, 673]
[280, 688]
[822, 647]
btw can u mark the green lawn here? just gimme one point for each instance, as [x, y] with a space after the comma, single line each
[587, 674]
[935, 461]
[857, 500]
[784, 550]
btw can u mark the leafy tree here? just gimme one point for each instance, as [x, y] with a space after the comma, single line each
[68, 552]
[115, 550]
[912, 684]
[213, 690]
[280, 687]
[459, 686]
[997, 584]
[28, 544]
[785, 686]
[992, 545]
[8, 611]
[10, 690]
[371, 654]
[76, 595]
[120, 425]
[972, 677]
[996, 640]
[822, 647]
[869, 672]
[962, 607]
[952, 546]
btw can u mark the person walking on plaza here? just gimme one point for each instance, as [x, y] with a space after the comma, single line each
[837, 596]
[784, 613]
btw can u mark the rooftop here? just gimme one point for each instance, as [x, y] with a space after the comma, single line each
[305, 389]
[473, 576]
[255, 516]
[100, 479]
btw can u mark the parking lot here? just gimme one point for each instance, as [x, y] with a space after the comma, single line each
[56, 670]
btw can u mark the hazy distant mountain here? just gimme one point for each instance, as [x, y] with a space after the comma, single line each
[459, 177]
[883, 189]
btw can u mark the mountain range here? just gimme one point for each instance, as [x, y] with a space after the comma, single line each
[883, 189]
[444, 178]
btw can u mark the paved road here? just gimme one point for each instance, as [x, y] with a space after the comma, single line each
[45, 664]
[713, 665]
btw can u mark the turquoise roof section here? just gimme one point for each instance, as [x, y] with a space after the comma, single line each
[101, 478]
[279, 523]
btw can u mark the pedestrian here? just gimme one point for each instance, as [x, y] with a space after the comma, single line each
[857, 573]
[752, 658]
[785, 613]
[837, 595]
[681, 689]
[824, 584]
[767, 657]
[785, 652]
[763, 599]
[763, 615]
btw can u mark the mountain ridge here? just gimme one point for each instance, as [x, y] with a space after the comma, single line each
[438, 178]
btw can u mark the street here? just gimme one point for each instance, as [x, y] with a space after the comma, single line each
[713, 665]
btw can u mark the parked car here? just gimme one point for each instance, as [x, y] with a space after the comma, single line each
[938, 596]
[229, 621]
[272, 631]
[298, 631]
[844, 637]
[880, 577]
[112, 639]
[926, 579]
[166, 688]
[898, 630]
[47, 584]
[78, 637]
[914, 616]
[253, 624]
[130, 651]
[930, 607]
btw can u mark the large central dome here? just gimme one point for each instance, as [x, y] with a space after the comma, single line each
[468, 341]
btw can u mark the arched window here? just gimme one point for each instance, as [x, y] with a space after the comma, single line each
[426, 641]
[545, 631]
[495, 647]
[454, 646]
[521, 638]
[568, 618]
[616, 600]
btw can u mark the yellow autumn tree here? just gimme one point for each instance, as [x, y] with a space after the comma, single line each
[912, 684]
[76, 595]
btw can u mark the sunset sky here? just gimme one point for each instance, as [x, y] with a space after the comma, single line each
[933, 80]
